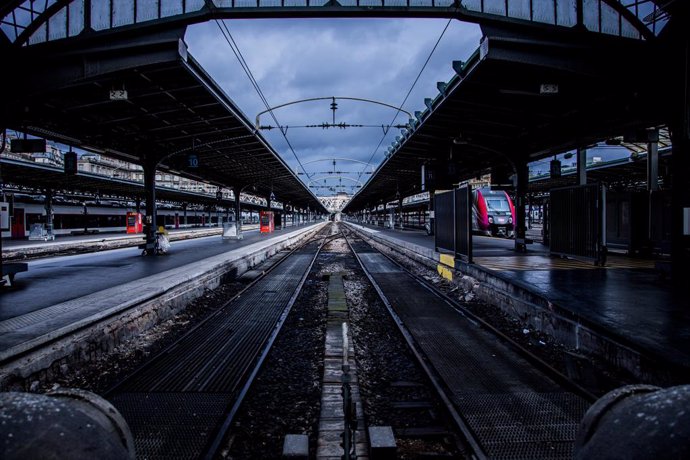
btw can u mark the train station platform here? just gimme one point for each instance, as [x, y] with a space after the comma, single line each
[20, 249]
[66, 307]
[625, 312]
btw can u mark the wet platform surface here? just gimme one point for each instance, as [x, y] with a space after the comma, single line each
[58, 279]
[61, 292]
[628, 298]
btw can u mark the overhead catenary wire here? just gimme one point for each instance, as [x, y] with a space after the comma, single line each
[409, 92]
[225, 31]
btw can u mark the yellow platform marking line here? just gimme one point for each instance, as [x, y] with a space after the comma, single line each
[446, 266]
[553, 263]
[447, 260]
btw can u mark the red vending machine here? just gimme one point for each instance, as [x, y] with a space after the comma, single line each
[135, 223]
[266, 221]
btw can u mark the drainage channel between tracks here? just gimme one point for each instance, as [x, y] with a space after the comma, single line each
[507, 408]
[178, 404]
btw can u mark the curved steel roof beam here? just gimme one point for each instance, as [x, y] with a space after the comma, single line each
[204, 12]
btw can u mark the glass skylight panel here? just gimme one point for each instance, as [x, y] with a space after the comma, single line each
[57, 25]
[495, 7]
[566, 11]
[519, 9]
[39, 36]
[472, 5]
[76, 18]
[193, 5]
[147, 10]
[100, 15]
[171, 8]
[610, 20]
[123, 12]
[544, 12]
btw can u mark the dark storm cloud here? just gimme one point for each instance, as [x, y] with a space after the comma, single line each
[298, 59]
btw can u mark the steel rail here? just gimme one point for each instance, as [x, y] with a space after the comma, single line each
[240, 359]
[463, 427]
[217, 312]
[215, 446]
[539, 363]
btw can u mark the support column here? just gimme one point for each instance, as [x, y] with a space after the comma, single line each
[49, 213]
[653, 166]
[137, 205]
[520, 201]
[680, 206]
[237, 191]
[652, 185]
[581, 166]
[432, 216]
[680, 157]
[2, 197]
[184, 213]
[400, 212]
[150, 225]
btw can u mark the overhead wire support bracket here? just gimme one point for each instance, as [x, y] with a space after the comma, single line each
[333, 106]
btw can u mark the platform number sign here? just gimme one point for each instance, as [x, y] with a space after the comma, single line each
[192, 161]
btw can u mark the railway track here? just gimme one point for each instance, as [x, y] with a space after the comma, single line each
[504, 401]
[181, 403]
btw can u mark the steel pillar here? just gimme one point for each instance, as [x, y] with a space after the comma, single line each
[680, 157]
[432, 219]
[581, 166]
[522, 172]
[2, 197]
[49, 212]
[150, 225]
[652, 166]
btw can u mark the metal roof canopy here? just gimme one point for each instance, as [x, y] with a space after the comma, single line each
[43, 177]
[627, 174]
[29, 22]
[495, 112]
[173, 108]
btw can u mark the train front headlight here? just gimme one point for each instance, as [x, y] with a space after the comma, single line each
[491, 220]
[510, 220]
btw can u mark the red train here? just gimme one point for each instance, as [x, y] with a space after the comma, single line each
[493, 213]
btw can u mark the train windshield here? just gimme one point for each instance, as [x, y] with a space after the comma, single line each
[497, 204]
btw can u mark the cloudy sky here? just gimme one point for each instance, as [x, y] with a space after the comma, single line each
[296, 59]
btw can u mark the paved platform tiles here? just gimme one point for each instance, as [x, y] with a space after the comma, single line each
[627, 300]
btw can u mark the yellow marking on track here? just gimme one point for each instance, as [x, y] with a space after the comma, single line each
[447, 260]
[445, 272]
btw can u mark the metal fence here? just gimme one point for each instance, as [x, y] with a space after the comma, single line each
[453, 222]
[577, 222]
[463, 223]
[444, 209]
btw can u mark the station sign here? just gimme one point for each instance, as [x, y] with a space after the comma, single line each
[192, 160]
